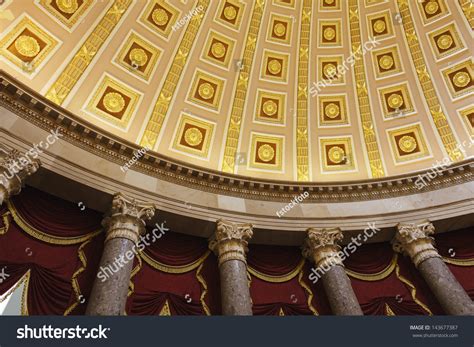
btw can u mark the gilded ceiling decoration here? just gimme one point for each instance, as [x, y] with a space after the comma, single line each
[311, 90]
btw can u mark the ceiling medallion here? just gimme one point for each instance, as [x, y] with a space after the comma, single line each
[218, 49]
[444, 41]
[379, 26]
[461, 79]
[279, 29]
[395, 101]
[193, 137]
[407, 144]
[27, 46]
[160, 17]
[329, 33]
[386, 62]
[329, 2]
[274, 66]
[431, 7]
[138, 56]
[230, 13]
[330, 70]
[67, 6]
[332, 110]
[206, 91]
[336, 154]
[270, 107]
[113, 102]
[266, 153]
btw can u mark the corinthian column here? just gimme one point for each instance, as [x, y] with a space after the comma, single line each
[14, 169]
[230, 245]
[322, 247]
[123, 225]
[414, 240]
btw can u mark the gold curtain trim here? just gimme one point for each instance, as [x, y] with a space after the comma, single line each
[277, 279]
[375, 276]
[74, 281]
[202, 281]
[56, 240]
[24, 295]
[174, 269]
[412, 289]
[459, 262]
[308, 290]
[12, 289]
[6, 223]
[389, 311]
[131, 285]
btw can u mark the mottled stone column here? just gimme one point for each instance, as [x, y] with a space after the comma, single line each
[230, 245]
[415, 241]
[123, 225]
[14, 169]
[322, 247]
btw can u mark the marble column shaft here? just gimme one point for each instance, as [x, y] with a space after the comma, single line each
[322, 247]
[123, 227]
[230, 245]
[14, 169]
[414, 240]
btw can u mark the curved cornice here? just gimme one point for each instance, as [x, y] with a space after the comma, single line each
[36, 109]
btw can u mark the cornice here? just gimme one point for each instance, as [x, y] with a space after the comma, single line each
[35, 108]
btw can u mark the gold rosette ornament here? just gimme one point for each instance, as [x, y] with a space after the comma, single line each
[67, 6]
[266, 153]
[160, 17]
[27, 46]
[206, 91]
[193, 137]
[114, 102]
[138, 57]
[407, 144]
[336, 154]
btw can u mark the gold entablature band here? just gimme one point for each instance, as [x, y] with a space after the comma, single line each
[233, 131]
[153, 127]
[373, 152]
[431, 97]
[82, 59]
[302, 157]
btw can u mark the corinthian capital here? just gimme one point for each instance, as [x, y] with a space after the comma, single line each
[127, 218]
[415, 240]
[231, 240]
[321, 245]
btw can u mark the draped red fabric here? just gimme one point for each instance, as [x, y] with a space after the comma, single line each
[55, 216]
[458, 245]
[263, 259]
[370, 258]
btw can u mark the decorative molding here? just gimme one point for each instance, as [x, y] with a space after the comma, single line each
[230, 241]
[321, 245]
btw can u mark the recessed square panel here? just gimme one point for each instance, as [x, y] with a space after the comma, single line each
[332, 110]
[279, 30]
[329, 33]
[459, 79]
[27, 45]
[330, 69]
[160, 16]
[408, 143]
[432, 10]
[274, 66]
[380, 25]
[386, 62]
[396, 101]
[336, 154]
[138, 56]
[329, 5]
[445, 41]
[266, 152]
[206, 90]
[270, 107]
[467, 116]
[218, 49]
[113, 102]
[230, 13]
[193, 136]
[67, 12]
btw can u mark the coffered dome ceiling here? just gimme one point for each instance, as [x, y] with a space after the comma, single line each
[310, 90]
